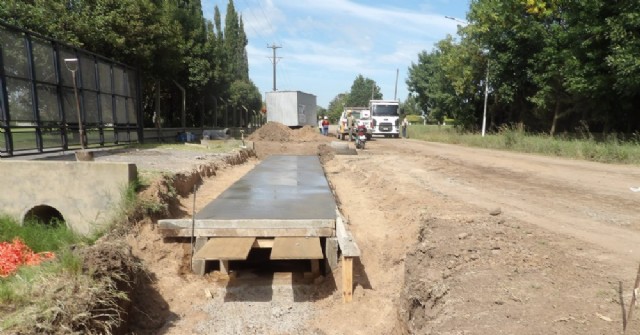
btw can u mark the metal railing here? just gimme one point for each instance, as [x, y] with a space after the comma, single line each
[39, 110]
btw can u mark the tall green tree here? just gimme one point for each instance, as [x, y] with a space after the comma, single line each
[336, 106]
[235, 43]
[362, 90]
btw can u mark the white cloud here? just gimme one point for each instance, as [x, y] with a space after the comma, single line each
[327, 43]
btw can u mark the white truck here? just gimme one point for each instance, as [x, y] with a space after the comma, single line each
[386, 117]
[292, 108]
[361, 116]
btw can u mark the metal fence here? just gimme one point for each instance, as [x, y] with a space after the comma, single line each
[39, 108]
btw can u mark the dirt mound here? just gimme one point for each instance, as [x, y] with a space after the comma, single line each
[272, 131]
[277, 132]
[277, 139]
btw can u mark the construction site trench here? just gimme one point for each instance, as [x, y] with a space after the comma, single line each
[454, 240]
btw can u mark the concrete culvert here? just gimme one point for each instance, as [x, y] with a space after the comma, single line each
[43, 214]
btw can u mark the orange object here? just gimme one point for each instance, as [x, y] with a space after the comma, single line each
[16, 253]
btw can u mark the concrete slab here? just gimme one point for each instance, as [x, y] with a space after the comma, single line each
[279, 188]
[281, 196]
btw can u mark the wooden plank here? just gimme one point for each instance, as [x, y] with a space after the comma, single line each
[226, 248]
[232, 232]
[246, 223]
[331, 254]
[347, 278]
[296, 248]
[346, 241]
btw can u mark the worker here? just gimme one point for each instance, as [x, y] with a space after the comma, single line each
[320, 124]
[350, 124]
[325, 126]
[405, 123]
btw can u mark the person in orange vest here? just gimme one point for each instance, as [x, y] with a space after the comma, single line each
[325, 126]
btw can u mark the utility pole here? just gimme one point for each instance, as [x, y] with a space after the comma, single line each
[395, 92]
[274, 60]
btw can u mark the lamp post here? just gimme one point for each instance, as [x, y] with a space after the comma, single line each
[245, 116]
[486, 95]
[72, 65]
[486, 81]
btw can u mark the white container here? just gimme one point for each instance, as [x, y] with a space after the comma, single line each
[292, 108]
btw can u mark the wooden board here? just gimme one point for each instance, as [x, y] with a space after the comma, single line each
[346, 241]
[296, 248]
[226, 248]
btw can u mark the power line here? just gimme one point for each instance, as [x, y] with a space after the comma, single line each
[265, 16]
[253, 26]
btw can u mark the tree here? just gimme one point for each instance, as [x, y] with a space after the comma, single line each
[362, 90]
[336, 106]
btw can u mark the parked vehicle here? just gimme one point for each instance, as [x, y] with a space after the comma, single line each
[386, 117]
[361, 115]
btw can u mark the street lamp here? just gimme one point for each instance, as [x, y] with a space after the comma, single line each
[72, 65]
[244, 116]
[486, 81]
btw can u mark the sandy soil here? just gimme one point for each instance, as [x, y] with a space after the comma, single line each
[454, 240]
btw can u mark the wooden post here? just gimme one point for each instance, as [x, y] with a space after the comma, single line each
[347, 279]
[198, 265]
[224, 267]
[633, 303]
[315, 267]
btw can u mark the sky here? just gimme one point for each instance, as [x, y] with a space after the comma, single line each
[325, 44]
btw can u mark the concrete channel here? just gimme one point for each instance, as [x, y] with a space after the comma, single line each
[284, 204]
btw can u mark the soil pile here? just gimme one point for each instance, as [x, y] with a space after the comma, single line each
[272, 131]
[277, 132]
[277, 139]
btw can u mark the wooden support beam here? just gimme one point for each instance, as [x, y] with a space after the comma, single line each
[346, 241]
[331, 254]
[224, 267]
[315, 267]
[198, 265]
[347, 279]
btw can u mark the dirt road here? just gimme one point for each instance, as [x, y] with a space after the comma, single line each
[454, 240]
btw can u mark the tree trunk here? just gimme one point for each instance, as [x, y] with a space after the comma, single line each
[556, 116]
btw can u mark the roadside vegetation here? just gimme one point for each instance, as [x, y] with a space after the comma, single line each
[82, 289]
[612, 148]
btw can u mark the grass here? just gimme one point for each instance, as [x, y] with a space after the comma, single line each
[38, 236]
[607, 150]
[21, 288]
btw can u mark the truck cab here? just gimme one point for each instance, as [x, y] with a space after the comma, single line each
[386, 117]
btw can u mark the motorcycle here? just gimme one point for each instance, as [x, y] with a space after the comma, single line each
[360, 136]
